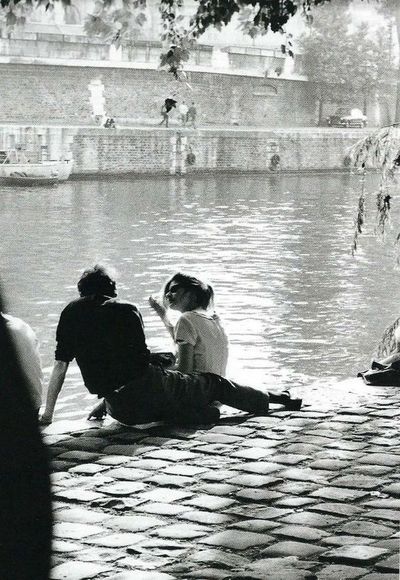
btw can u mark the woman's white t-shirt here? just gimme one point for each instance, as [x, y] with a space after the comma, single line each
[205, 333]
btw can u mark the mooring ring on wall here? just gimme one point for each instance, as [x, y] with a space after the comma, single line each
[275, 162]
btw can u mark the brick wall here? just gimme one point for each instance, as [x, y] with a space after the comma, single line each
[32, 93]
[108, 151]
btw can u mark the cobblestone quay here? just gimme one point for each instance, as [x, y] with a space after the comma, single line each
[313, 494]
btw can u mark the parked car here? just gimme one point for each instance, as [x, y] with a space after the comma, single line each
[344, 118]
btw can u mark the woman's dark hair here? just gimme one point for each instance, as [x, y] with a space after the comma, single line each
[96, 280]
[202, 292]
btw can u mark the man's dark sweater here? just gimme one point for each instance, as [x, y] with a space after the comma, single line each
[107, 340]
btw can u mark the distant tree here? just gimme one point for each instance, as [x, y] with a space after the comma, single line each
[341, 61]
[391, 9]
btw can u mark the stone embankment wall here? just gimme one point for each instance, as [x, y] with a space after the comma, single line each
[33, 93]
[107, 151]
[100, 151]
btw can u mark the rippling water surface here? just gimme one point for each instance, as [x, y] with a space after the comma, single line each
[298, 308]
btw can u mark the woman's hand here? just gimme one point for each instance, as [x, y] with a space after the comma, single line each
[157, 307]
[45, 419]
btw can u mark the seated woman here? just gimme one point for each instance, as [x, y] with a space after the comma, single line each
[199, 335]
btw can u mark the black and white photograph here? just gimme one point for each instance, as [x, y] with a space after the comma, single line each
[199, 289]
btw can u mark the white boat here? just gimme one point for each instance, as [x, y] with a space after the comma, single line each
[15, 166]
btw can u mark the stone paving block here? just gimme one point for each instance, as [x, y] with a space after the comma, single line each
[80, 515]
[261, 467]
[346, 540]
[254, 525]
[129, 473]
[87, 468]
[391, 564]
[171, 455]
[372, 470]
[218, 449]
[237, 540]
[161, 509]
[134, 523]
[342, 572]
[305, 474]
[366, 528]
[354, 554]
[218, 475]
[253, 453]
[260, 442]
[142, 575]
[65, 547]
[122, 488]
[381, 576]
[289, 458]
[336, 508]
[266, 513]
[210, 502]
[56, 465]
[181, 531]
[166, 480]
[113, 460]
[75, 530]
[389, 503]
[296, 488]
[83, 456]
[118, 540]
[357, 482]
[205, 517]
[309, 449]
[75, 570]
[387, 459]
[339, 493]
[79, 495]
[392, 489]
[219, 558]
[294, 502]
[235, 430]
[252, 480]
[389, 515]
[165, 495]
[216, 488]
[290, 548]
[301, 533]
[129, 450]
[258, 495]
[185, 470]
[209, 574]
[160, 546]
[222, 438]
[147, 464]
[313, 519]
[329, 464]
[85, 443]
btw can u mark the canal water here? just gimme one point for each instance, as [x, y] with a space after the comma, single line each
[300, 311]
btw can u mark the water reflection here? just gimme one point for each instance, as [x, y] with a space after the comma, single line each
[296, 305]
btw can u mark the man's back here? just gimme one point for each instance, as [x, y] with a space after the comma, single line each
[106, 337]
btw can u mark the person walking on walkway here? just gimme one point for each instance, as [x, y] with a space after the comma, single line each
[106, 337]
[192, 115]
[183, 112]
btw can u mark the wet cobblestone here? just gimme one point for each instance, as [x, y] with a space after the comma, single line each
[310, 495]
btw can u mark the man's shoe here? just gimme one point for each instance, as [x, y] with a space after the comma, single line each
[291, 404]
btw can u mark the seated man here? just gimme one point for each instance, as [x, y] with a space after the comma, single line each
[27, 349]
[106, 338]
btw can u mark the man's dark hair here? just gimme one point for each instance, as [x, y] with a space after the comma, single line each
[97, 280]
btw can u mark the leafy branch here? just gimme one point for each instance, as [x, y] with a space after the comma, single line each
[380, 149]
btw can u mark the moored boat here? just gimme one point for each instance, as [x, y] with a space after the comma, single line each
[15, 168]
[18, 178]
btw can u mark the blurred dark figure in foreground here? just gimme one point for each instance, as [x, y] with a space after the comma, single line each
[25, 503]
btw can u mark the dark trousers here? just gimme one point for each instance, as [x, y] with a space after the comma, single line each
[180, 398]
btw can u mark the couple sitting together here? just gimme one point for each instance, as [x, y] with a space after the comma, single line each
[106, 337]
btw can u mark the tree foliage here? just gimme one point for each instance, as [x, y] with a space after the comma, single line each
[114, 20]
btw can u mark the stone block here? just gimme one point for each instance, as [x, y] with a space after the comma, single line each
[354, 554]
[237, 539]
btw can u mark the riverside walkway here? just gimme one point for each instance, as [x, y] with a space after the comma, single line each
[313, 494]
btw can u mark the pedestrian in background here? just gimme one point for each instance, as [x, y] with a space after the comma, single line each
[183, 112]
[192, 115]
